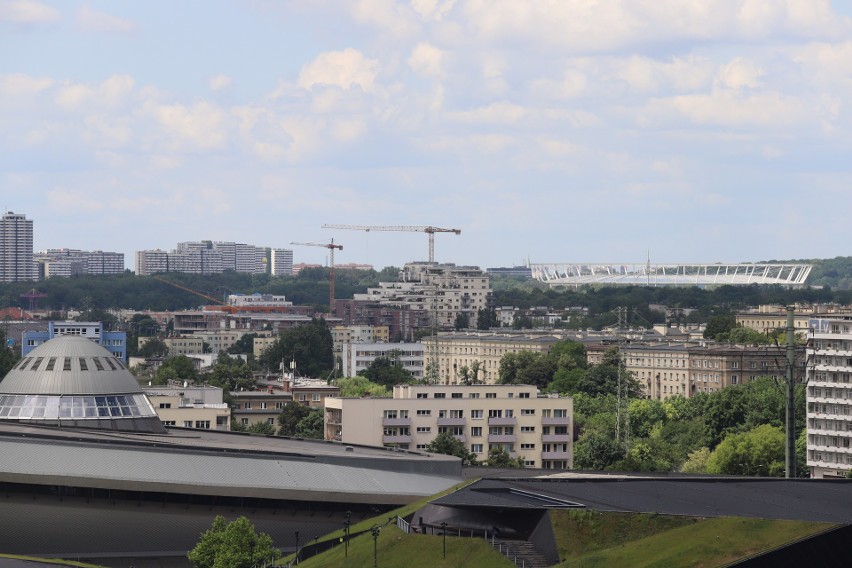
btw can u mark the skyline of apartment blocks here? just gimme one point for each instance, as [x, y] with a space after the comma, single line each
[513, 417]
[16, 248]
[215, 257]
[64, 263]
[357, 356]
[829, 397]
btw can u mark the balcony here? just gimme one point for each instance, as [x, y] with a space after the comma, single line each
[510, 421]
[452, 422]
[556, 455]
[396, 439]
[556, 421]
[396, 421]
[502, 438]
[557, 438]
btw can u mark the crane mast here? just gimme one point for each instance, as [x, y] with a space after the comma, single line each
[428, 229]
[330, 246]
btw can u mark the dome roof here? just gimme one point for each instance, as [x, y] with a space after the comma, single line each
[69, 365]
[71, 381]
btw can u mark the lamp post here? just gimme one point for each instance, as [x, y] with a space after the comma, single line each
[297, 547]
[346, 524]
[444, 531]
[375, 529]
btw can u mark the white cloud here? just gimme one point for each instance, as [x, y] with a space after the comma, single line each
[89, 20]
[219, 82]
[27, 12]
[20, 86]
[432, 9]
[200, 126]
[739, 74]
[496, 113]
[344, 69]
[427, 60]
[110, 93]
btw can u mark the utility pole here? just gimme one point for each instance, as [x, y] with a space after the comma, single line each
[622, 400]
[790, 453]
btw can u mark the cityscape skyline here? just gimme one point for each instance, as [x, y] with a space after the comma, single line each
[550, 132]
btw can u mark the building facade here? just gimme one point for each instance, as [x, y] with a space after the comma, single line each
[206, 257]
[113, 341]
[198, 407]
[16, 248]
[513, 417]
[357, 356]
[829, 397]
[64, 263]
[281, 262]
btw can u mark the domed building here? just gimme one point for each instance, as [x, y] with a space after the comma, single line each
[74, 382]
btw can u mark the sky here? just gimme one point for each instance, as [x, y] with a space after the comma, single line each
[545, 130]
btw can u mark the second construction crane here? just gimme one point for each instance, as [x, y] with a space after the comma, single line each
[330, 246]
[429, 230]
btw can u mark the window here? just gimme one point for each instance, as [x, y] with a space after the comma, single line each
[473, 395]
[263, 406]
[279, 405]
[202, 424]
[476, 414]
[528, 412]
[247, 405]
[476, 431]
[456, 395]
[476, 448]
[187, 423]
[424, 412]
[440, 395]
[495, 413]
[303, 398]
[421, 446]
[458, 431]
[560, 413]
[270, 421]
[527, 446]
[315, 397]
[390, 414]
[491, 395]
[456, 413]
[165, 405]
[524, 395]
[527, 429]
[424, 429]
[244, 421]
[422, 395]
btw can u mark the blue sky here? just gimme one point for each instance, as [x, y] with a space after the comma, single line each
[554, 130]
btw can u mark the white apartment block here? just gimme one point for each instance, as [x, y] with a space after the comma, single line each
[72, 262]
[220, 339]
[258, 300]
[281, 262]
[514, 417]
[205, 257]
[444, 289]
[16, 248]
[357, 356]
[829, 397]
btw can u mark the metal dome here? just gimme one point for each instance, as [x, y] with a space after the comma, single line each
[73, 381]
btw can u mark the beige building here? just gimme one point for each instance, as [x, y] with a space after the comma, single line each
[313, 393]
[220, 339]
[514, 417]
[684, 370]
[190, 407]
[250, 407]
[457, 350]
[184, 345]
[262, 343]
[770, 318]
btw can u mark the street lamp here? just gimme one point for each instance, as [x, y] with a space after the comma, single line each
[346, 524]
[297, 547]
[375, 529]
[444, 531]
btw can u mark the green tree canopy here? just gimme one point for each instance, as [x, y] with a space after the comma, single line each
[290, 417]
[312, 425]
[244, 344]
[309, 345]
[447, 444]
[387, 370]
[232, 545]
[499, 457]
[261, 428]
[153, 347]
[718, 325]
[8, 358]
[358, 386]
[756, 452]
[178, 367]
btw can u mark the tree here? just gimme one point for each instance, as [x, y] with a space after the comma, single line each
[697, 461]
[499, 457]
[486, 318]
[744, 336]
[759, 451]
[447, 444]
[232, 545]
[309, 345]
[179, 368]
[153, 347]
[244, 344]
[312, 425]
[356, 387]
[462, 321]
[597, 450]
[261, 428]
[7, 356]
[387, 370]
[719, 324]
[289, 419]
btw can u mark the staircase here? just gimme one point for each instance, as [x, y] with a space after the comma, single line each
[521, 552]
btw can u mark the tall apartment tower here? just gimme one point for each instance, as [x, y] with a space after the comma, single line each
[16, 248]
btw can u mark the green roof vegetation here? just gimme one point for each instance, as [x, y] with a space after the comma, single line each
[56, 561]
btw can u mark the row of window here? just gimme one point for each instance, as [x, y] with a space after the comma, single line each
[476, 414]
[70, 364]
[471, 395]
[82, 407]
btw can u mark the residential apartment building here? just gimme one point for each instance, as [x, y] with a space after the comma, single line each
[206, 257]
[114, 341]
[311, 392]
[458, 350]
[281, 262]
[64, 263]
[16, 248]
[199, 407]
[829, 396]
[514, 417]
[357, 356]
[183, 345]
[681, 369]
[251, 407]
[767, 319]
[443, 290]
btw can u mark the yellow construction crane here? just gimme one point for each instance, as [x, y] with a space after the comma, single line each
[330, 246]
[407, 228]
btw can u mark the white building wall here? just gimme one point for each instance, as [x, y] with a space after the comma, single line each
[357, 356]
